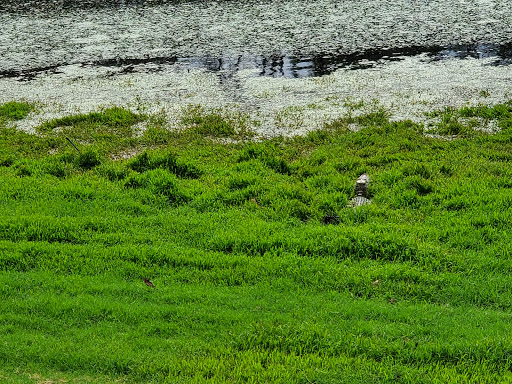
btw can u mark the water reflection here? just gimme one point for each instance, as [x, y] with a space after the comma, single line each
[501, 53]
[288, 66]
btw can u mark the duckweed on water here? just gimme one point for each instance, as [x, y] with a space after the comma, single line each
[262, 272]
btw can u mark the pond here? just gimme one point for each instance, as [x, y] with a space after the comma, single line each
[291, 65]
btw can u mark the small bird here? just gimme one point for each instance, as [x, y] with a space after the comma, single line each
[148, 283]
[376, 282]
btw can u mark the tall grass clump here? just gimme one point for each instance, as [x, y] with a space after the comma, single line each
[149, 160]
[159, 182]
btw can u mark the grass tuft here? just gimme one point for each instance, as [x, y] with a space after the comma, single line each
[150, 160]
[88, 159]
[15, 110]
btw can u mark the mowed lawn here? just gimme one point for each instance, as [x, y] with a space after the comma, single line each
[211, 255]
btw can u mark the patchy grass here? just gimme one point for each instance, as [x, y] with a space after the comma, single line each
[15, 110]
[109, 129]
[110, 118]
[469, 121]
[261, 271]
[216, 123]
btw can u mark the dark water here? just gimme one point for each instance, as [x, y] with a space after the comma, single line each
[280, 38]
[289, 66]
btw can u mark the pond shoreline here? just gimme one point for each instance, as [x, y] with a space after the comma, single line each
[406, 89]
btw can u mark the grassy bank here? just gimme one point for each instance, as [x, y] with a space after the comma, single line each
[261, 271]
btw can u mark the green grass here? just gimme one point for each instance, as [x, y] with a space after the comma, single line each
[466, 121]
[15, 110]
[262, 272]
[216, 123]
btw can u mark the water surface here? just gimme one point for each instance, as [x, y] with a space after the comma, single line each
[212, 52]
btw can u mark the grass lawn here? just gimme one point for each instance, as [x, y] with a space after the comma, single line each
[261, 272]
